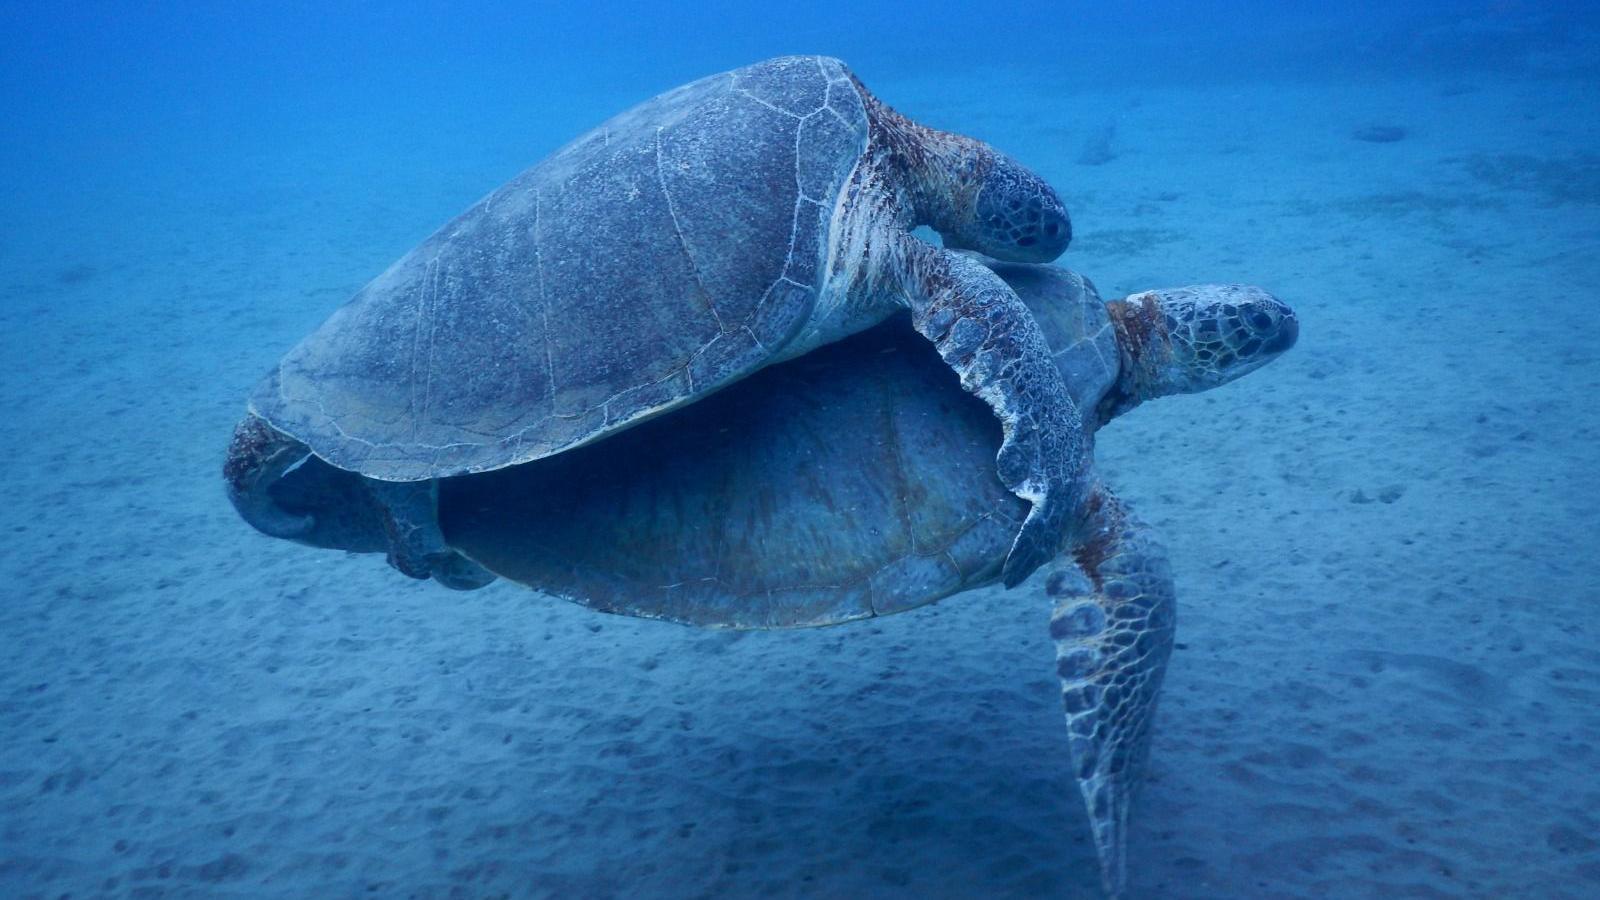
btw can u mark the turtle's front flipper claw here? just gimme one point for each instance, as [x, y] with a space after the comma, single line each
[988, 336]
[1037, 542]
[1112, 626]
[1030, 464]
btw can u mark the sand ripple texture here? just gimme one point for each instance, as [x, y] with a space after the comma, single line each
[1385, 546]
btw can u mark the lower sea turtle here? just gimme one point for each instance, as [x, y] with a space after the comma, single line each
[738, 221]
[854, 482]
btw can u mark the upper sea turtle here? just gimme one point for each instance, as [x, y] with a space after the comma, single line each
[858, 481]
[735, 222]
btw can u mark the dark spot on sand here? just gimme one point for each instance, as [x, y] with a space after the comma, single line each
[1126, 241]
[227, 867]
[1444, 678]
[1098, 150]
[1565, 839]
[1555, 180]
[1379, 134]
[77, 274]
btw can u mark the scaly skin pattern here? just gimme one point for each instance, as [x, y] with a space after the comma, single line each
[857, 481]
[990, 339]
[1146, 352]
[1189, 339]
[1113, 629]
[972, 194]
[711, 231]
[975, 197]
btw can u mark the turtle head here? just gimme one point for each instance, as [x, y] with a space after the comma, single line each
[1013, 215]
[1190, 339]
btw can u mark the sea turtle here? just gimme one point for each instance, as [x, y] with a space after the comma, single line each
[857, 481]
[738, 221]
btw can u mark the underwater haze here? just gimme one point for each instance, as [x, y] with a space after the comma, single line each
[1386, 545]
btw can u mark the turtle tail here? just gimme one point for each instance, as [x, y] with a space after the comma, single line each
[257, 457]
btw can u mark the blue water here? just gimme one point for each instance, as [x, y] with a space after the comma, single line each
[1384, 544]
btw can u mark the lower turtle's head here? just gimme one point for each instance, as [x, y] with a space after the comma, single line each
[1189, 339]
[1014, 215]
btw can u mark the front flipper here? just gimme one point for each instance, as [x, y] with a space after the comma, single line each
[1113, 628]
[986, 334]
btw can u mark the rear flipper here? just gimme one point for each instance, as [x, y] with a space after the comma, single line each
[1113, 629]
[283, 491]
[409, 513]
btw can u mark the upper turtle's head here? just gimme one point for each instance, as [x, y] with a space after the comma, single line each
[1189, 339]
[1014, 214]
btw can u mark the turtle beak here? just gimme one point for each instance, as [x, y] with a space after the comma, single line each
[1288, 333]
[1264, 329]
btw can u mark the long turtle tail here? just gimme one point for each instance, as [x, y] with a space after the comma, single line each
[257, 457]
[1113, 630]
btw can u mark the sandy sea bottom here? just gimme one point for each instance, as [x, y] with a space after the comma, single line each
[1385, 547]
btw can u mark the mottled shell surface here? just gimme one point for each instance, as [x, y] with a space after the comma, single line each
[1073, 317]
[672, 250]
[857, 480]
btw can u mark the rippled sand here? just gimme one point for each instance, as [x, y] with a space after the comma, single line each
[1385, 545]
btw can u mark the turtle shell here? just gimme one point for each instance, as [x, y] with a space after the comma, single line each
[674, 249]
[857, 480]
